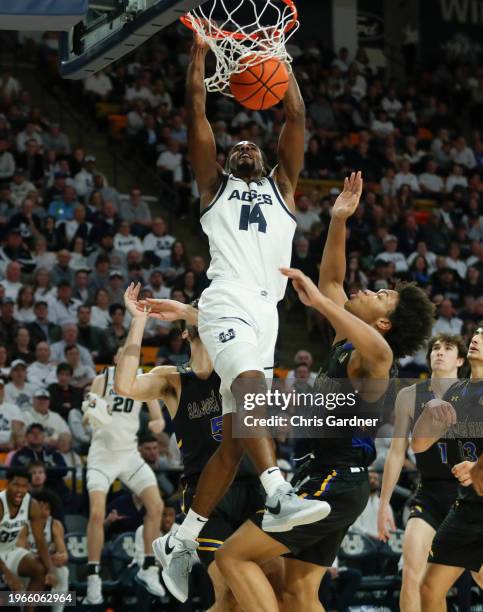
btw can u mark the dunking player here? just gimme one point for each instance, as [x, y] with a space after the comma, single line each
[192, 396]
[437, 488]
[113, 453]
[371, 329]
[458, 543]
[17, 509]
[249, 219]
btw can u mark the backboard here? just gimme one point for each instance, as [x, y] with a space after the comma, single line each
[113, 28]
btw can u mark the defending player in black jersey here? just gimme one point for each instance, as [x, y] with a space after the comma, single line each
[437, 488]
[371, 329]
[191, 394]
[458, 543]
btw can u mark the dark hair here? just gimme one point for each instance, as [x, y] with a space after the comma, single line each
[35, 464]
[265, 165]
[64, 367]
[411, 320]
[115, 307]
[147, 438]
[191, 329]
[448, 339]
[46, 496]
[18, 471]
[70, 347]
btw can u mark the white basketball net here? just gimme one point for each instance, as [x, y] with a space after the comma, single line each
[216, 23]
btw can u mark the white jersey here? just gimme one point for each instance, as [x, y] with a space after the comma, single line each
[11, 526]
[48, 535]
[121, 432]
[250, 231]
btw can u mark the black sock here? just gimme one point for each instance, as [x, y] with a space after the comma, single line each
[148, 561]
[93, 569]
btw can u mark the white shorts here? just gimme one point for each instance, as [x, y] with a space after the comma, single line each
[104, 466]
[238, 325]
[12, 558]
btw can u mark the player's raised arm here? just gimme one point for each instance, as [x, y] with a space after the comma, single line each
[395, 459]
[333, 265]
[292, 136]
[127, 382]
[201, 141]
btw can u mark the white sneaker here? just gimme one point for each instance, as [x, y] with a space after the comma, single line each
[94, 591]
[149, 578]
[162, 552]
[284, 510]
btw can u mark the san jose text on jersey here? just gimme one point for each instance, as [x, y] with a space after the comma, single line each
[250, 230]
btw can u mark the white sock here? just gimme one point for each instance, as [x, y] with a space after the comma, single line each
[192, 525]
[271, 479]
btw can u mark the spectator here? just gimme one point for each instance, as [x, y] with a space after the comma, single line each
[158, 242]
[7, 161]
[125, 241]
[41, 328]
[52, 423]
[14, 256]
[447, 322]
[12, 420]
[306, 215]
[61, 272]
[63, 209]
[462, 154]
[150, 452]
[8, 324]
[454, 260]
[175, 352]
[82, 375]
[55, 140]
[100, 316]
[124, 513]
[63, 309]
[71, 458]
[20, 186]
[391, 255]
[176, 264]
[169, 162]
[430, 183]
[43, 289]
[41, 372]
[63, 395]
[30, 132]
[38, 455]
[19, 391]
[406, 177]
[81, 289]
[157, 286]
[12, 281]
[84, 179]
[24, 311]
[98, 86]
[21, 347]
[69, 337]
[100, 277]
[114, 335]
[136, 212]
[33, 162]
[456, 179]
[89, 336]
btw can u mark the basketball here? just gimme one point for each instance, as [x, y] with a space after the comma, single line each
[261, 86]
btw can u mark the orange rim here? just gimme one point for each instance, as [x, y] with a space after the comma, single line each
[187, 20]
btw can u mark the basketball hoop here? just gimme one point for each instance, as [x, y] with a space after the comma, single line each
[269, 25]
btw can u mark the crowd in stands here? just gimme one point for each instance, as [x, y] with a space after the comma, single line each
[71, 243]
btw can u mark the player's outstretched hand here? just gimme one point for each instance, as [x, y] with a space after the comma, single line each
[462, 471]
[166, 310]
[442, 411]
[477, 476]
[131, 300]
[347, 202]
[385, 522]
[306, 289]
